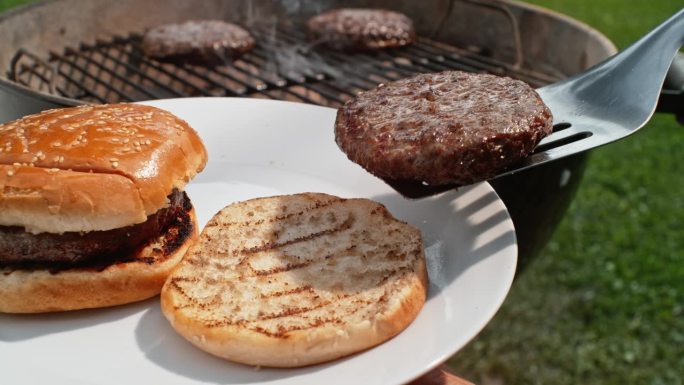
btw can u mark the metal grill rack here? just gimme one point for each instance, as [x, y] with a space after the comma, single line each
[284, 65]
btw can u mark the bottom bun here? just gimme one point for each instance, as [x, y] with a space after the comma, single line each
[297, 280]
[41, 291]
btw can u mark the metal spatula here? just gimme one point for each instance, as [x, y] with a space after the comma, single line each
[609, 101]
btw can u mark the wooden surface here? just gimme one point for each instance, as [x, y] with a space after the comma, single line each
[440, 376]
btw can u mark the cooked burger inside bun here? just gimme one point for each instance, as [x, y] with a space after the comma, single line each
[92, 208]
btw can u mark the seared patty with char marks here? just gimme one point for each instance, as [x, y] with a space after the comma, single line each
[442, 128]
[21, 249]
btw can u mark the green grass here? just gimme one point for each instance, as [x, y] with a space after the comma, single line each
[7, 4]
[604, 303]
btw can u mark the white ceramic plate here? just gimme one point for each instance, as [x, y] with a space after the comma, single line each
[262, 148]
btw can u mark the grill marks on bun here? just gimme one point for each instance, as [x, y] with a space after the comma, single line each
[151, 148]
[296, 280]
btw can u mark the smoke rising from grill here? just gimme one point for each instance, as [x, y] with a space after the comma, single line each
[288, 59]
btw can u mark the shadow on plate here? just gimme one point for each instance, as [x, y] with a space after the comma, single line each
[167, 349]
[21, 327]
[460, 229]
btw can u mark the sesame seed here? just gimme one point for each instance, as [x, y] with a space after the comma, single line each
[113, 159]
[115, 140]
[25, 151]
[10, 172]
[115, 164]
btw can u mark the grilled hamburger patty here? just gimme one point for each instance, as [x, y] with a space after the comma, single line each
[443, 128]
[21, 249]
[362, 29]
[210, 42]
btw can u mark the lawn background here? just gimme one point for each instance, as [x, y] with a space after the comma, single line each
[604, 302]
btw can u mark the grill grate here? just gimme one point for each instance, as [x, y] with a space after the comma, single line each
[284, 66]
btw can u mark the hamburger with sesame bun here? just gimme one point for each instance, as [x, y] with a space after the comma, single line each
[92, 207]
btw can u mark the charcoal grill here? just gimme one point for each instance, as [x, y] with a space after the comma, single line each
[68, 52]
[115, 70]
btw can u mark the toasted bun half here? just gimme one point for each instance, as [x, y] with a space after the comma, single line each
[296, 280]
[40, 291]
[60, 170]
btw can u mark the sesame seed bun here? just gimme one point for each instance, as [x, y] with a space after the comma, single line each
[93, 168]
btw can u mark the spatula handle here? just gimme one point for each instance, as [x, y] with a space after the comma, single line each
[440, 376]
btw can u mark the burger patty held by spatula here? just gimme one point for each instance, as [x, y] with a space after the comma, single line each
[442, 128]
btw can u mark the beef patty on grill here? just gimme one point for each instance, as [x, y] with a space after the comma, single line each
[21, 249]
[361, 29]
[206, 42]
[443, 128]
